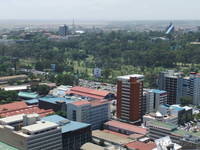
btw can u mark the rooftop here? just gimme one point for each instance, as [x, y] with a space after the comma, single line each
[126, 126]
[54, 100]
[98, 102]
[13, 77]
[39, 126]
[4, 146]
[69, 126]
[158, 91]
[11, 119]
[176, 107]
[109, 137]
[127, 77]
[12, 106]
[91, 146]
[141, 146]
[80, 103]
[88, 92]
[27, 110]
[28, 95]
[163, 125]
[32, 101]
[16, 88]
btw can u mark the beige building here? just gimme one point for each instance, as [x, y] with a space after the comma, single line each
[27, 132]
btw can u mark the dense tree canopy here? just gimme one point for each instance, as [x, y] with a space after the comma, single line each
[111, 51]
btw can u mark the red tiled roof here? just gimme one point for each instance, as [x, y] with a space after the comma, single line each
[98, 102]
[92, 103]
[87, 92]
[141, 146]
[12, 106]
[126, 126]
[27, 110]
[80, 103]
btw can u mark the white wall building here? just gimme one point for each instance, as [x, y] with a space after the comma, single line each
[154, 98]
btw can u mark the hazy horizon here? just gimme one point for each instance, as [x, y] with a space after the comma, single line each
[100, 10]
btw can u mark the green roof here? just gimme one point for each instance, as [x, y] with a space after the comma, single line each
[181, 132]
[28, 95]
[4, 146]
[164, 125]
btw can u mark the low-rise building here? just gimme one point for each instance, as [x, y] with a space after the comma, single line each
[26, 132]
[6, 79]
[57, 103]
[124, 128]
[90, 94]
[94, 112]
[109, 139]
[173, 119]
[184, 114]
[74, 134]
[16, 108]
[136, 145]
[60, 91]
[27, 95]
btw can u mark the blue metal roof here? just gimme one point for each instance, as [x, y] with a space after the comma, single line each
[53, 100]
[176, 108]
[70, 126]
[158, 91]
[28, 94]
[32, 101]
[164, 106]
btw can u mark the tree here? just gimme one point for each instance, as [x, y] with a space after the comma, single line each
[40, 89]
[186, 100]
[66, 79]
[7, 96]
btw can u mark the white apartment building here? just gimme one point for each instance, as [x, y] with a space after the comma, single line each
[154, 98]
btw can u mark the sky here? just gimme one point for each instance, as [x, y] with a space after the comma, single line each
[100, 9]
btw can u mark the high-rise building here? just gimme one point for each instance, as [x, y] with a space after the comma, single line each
[154, 98]
[178, 86]
[172, 83]
[129, 97]
[63, 30]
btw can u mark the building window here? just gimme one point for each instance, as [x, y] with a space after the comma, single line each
[74, 115]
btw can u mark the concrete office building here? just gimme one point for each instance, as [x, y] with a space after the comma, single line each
[74, 134]
[172, 83]
[184, 114]
[178, 86]
[27, 132]
[94, 112]
[154, 98]
[129, 97]
[63, 30]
